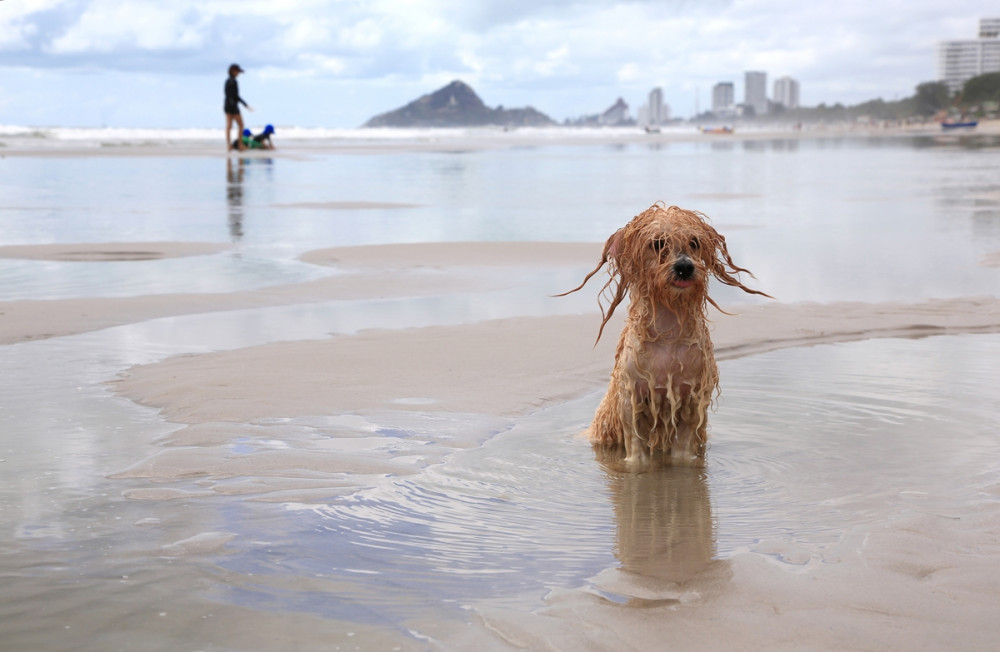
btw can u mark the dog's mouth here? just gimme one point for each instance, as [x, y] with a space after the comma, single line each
[683, 272]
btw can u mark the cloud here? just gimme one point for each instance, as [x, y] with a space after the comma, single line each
[363, 35]
[109, 26]
[563, 56]
[17, 25]
[629, 73]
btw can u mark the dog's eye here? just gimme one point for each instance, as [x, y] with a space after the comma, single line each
[695, 244]
[658, 245]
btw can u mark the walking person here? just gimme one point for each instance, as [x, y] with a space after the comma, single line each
[232, 106]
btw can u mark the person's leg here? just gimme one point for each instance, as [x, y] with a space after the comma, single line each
[229, 128]
[239, 131]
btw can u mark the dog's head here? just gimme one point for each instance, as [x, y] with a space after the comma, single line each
[665, 256]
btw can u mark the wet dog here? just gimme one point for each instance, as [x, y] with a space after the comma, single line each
[664, 378]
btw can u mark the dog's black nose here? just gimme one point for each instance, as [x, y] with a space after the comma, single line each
[684, 268]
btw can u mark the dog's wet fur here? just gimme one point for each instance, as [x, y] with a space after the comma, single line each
[664, 378]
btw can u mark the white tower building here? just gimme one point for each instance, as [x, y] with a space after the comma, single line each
[960, 61]
[723, 98]
[655, 111]
[786, 91]
[655, 106]
[755, 91]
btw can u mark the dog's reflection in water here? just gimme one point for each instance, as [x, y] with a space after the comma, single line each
[665, 531]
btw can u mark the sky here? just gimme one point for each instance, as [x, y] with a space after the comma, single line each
[337, 63]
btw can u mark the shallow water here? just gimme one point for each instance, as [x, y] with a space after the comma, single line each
[390, 524]
[816, 220]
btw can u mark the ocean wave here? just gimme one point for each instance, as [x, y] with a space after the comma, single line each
[23, 132]
[110, 136]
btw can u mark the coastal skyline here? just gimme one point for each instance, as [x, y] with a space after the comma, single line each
[137, 63]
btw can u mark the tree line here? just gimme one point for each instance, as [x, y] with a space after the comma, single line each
[979, 97]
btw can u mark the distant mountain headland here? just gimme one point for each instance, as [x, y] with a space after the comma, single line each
[457, 105]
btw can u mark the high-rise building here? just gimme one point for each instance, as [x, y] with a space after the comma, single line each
[755, 91]
[786, 92]
[655, 111]
[960, 61]
[642, 116]
[655, 105]
[723, 98]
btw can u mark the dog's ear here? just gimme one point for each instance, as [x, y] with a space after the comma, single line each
[611, 249]
[613, 246]
[616, 286]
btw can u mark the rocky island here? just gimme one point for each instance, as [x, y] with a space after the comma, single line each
[457, 105]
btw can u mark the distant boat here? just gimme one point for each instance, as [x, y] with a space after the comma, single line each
[717, 130]
[971, 124]
[652, 130]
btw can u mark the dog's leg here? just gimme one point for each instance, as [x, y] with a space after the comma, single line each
[635, 423]
[691, 431]
[606, 429]
[613, 418]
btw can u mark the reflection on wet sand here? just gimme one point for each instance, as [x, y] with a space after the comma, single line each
[234, 198]
[235, 204]
[665, 532]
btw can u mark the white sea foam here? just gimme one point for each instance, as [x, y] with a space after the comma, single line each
[108, 136]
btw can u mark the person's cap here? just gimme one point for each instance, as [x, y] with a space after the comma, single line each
[247, 132]
[269, 129]
[235, 67]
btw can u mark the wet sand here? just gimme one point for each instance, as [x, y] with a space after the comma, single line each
[504, 368]
[395, 271]
[383, 272]
[111, 251]
[910, 582]
[926, 577]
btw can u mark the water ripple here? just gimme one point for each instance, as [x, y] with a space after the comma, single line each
[790, 472]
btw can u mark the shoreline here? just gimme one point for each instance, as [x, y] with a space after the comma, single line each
[461, 140]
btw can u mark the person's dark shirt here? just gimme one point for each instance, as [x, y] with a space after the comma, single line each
[233, 99]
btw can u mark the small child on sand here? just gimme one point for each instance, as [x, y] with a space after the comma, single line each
[261, 141]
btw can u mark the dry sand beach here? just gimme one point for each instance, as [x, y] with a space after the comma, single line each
[481, 410]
